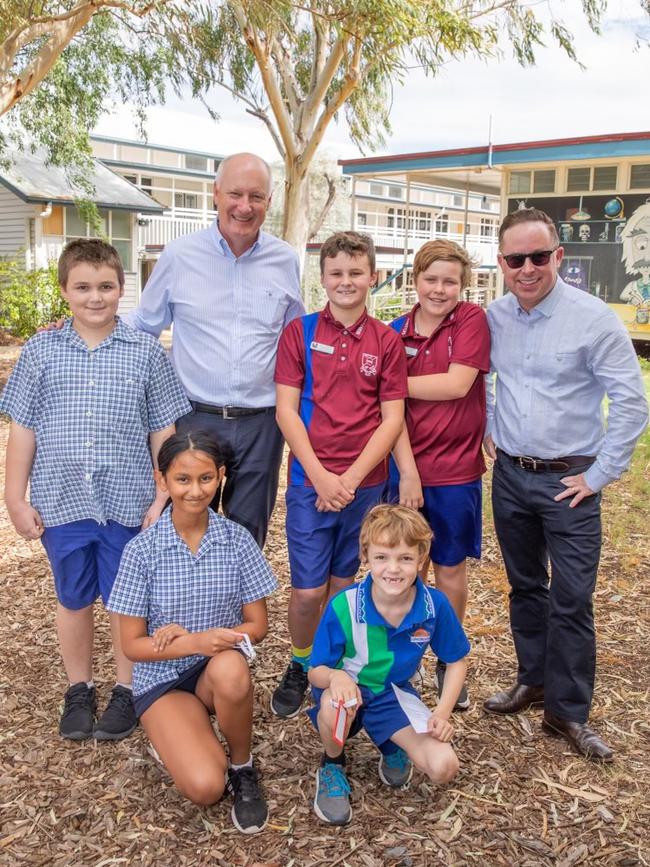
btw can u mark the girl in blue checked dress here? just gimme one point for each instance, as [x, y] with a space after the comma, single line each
[188, 590]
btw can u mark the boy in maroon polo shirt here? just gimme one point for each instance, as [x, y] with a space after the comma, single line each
[341, 383]
[438, 454]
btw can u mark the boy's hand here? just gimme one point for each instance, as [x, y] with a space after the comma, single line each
[213, 641]
[164, 636]
[26, 520]
[52, 326]
[154, 512]
[333, 495]
[343, 688]
[410, 492]
[439, 728]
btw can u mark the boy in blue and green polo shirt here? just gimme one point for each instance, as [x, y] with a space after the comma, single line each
[373, 635]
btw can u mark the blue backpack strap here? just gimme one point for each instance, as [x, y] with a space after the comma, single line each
[309, 323]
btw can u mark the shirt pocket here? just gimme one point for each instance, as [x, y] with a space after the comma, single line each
[266, 310]
[121, 398]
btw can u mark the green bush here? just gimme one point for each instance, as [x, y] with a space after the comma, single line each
[29, 299]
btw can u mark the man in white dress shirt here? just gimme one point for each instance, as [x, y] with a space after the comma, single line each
[229, 290]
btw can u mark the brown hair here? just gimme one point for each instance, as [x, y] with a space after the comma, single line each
[391, 524]
[353, 243]
[447, 251]
[528, 215]
[94, 252]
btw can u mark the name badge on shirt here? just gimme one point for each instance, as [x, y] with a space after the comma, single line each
[321, 347]
[411, 350]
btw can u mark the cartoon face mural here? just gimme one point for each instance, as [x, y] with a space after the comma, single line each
[636, 256]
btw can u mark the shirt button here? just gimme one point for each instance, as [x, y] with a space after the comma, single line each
[88, 477]
[345, 332]
[91, 382]
[344, 345]
[89, 412]
[89, 443]
[426, 351]
[343, 358]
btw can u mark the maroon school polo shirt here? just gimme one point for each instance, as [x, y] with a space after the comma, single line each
[343, 373]
[446, 435]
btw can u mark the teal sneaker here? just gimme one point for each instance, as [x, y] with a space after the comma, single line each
[332, 801]
[395, 769]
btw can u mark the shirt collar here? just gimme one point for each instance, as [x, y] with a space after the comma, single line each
[410, 331]
[224, 248]
[120, 332]
[355, 330]
[421, 610]
[168, 537]
[548, 304]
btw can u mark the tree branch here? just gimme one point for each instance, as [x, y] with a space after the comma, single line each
[269, 80]
[317, 224]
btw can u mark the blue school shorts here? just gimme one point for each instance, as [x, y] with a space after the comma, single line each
[454, 513]
[325, 543]
[380, 715]
[85, 557]
[186, 682]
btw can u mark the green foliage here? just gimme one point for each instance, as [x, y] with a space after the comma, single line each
[29, 299]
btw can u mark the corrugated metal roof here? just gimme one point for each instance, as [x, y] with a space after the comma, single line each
[32, 180]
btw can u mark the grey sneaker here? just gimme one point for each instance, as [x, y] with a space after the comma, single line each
[250, 812]
[290, 692]
[119, 719]
[395, 769]
[462, 702]
[78, 715]
[332, 800]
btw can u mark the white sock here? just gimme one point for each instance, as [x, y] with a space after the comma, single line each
[90, 684]
[247, 764]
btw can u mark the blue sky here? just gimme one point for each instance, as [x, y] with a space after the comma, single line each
[555, 98]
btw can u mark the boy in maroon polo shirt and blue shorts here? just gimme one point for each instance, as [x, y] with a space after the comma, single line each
[438, 454]
[341, 382]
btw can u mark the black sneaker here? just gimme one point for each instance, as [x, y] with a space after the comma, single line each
[78, 715]
[462, 702]
[119, 719]
[249, 812]
[288, 696]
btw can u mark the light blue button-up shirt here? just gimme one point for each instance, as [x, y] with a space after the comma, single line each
[553, 367]
[228, 314]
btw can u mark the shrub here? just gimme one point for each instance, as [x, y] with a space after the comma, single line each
[29, 299]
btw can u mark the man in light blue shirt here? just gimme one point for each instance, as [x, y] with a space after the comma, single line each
[556, 352]
[229, 290]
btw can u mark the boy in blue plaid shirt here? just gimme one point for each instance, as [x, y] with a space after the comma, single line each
[90, 405]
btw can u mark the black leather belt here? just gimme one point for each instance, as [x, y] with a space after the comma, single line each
[543, 465]
[230, 411]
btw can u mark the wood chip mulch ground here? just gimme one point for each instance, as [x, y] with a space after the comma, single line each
[521, 797]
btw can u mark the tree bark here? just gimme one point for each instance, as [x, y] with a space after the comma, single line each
[295, 222]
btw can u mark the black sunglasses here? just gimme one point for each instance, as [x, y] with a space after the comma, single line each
[516, 260]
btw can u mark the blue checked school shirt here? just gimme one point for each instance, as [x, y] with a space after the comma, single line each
[553, 368]
[227, 312]
[161, 580]
[92, 411]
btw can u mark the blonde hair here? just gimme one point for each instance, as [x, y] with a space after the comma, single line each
[391, 524]
[447, 251]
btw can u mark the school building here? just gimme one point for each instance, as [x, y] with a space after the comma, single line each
[596, 189]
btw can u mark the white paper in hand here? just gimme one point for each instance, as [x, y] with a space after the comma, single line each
[416, 710]
[246, 647]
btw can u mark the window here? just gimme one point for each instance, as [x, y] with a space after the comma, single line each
[640, 176]
[544, 181]
[146, 184]
[442, 224]
[458, 201]
[578, 179]
[186, 200]
[376, 189]
[115, 226]
[487, 228]
[196, 163]
[133, 179]
[362, 219]
[605, 178]
[395, 192]
[519, 182]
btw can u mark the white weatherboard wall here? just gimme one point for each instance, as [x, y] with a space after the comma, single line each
[130, 298]
[14, 214]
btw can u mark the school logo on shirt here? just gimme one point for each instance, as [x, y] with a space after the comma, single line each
[420, 636]
[369, 364]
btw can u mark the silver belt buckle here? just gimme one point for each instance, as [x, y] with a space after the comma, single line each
[226, 414]
[531, 460]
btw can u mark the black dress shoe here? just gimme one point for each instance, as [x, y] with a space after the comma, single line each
[583, 739]
[514, 699]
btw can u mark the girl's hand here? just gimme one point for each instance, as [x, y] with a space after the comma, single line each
[215, 640]
[410, 492]
[26, 520]
[164, 636]
[441, 729]
[343, 688]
